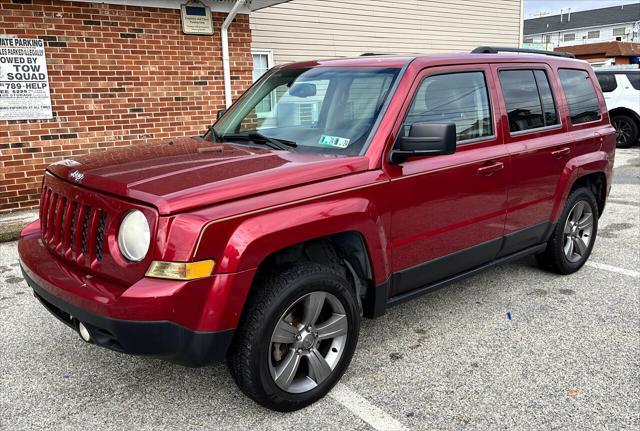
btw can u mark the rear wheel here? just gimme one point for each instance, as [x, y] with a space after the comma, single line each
[573, 238]
[626, 131]
[296, 338]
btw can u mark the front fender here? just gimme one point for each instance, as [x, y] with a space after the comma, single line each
[255, 238]
[575, 169]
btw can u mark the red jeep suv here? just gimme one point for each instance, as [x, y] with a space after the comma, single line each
[328, 191]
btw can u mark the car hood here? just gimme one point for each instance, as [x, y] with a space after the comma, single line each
[186, 173]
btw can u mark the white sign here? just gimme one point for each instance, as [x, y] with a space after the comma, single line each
[196, 18]
[24, 80]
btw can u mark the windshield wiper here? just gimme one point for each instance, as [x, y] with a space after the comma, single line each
[259, 138]
[273, 141]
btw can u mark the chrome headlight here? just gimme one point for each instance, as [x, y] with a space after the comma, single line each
[134, 236]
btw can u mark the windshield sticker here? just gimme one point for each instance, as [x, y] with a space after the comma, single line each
[334, 141]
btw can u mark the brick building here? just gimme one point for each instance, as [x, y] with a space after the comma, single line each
[120, 73]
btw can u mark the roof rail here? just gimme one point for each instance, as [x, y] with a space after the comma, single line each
[496, 49]
[366, 54]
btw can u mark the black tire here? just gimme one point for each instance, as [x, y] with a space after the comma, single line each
[625, 123]
[554, 257]
[271, 297]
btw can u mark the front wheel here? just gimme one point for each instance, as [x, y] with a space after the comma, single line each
[575, 233]
[296, 337]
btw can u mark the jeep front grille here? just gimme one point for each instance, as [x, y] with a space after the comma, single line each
[73, 229]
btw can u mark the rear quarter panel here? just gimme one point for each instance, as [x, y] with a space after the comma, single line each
[593, 149]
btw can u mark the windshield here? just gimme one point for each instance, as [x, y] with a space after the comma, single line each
[320, 109]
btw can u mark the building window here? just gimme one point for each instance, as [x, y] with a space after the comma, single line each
[569, 37]
[620, 31]
[547, 38]
[528, 40]
[262, 61]
[593, 34]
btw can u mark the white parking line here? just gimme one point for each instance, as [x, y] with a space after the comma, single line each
[616, 269]
[366, 411]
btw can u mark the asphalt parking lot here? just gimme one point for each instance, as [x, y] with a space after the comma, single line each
[569, 356]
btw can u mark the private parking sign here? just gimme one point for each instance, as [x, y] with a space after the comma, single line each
[24, 80]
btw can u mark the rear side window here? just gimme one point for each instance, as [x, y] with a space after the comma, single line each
[528, 98]
[634, 79]
[580, 94]
[459, 98]
[607, 82]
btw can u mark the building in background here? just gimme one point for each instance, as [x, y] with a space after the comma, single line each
[617, 23]
[123, 72]
[310, 29]
[120, 72]
[607, 53]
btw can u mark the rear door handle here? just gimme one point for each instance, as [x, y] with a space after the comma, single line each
[490, 168]
[561, 152]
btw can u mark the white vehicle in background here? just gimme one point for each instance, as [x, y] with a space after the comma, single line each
[621, 90]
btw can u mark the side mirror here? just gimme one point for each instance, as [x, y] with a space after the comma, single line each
[220, 113]
[425, 139]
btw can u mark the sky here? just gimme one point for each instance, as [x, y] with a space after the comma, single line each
[531, 7]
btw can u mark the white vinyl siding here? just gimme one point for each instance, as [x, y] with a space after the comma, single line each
[311, 29]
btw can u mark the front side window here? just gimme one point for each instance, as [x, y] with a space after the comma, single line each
[318, 109]
[528, 99]
[459, 98]
[580, 94]
[607, 82]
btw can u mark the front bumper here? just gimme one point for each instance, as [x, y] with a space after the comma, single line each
[162, 339]
[187, 322]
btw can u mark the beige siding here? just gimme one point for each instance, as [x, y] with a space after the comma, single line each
[310, 29]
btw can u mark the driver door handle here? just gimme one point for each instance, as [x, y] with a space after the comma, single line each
[490, 168]
[561, 152]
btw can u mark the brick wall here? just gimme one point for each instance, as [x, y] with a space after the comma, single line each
[119, 75]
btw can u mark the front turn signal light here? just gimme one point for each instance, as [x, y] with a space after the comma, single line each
[180, 270]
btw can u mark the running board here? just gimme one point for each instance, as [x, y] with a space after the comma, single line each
[403, 297]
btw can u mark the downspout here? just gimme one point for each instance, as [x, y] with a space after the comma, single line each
[225, 50]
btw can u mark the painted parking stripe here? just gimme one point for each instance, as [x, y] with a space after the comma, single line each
[616, 269]
[623, 202]
[362, 408]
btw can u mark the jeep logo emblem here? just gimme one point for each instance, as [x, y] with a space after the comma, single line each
[76, 175]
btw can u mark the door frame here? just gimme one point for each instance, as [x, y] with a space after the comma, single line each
[433, 270]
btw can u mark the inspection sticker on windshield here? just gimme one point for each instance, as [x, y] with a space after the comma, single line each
[334, 141]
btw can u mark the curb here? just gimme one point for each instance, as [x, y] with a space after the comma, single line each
[12, 223]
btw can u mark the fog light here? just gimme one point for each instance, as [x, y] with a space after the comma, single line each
[180, 270]
[84, 332]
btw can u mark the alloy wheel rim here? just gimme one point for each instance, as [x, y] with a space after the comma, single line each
[578, 230]
[308, 341]
[623, 131]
